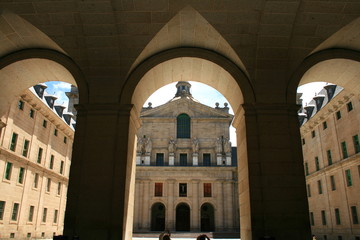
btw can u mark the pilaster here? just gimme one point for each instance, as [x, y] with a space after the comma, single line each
[102, 173]
[272, 189]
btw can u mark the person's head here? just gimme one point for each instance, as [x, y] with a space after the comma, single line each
[202, 237]
[166, 237]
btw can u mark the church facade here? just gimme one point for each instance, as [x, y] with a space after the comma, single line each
[331, 148]
[186, 179]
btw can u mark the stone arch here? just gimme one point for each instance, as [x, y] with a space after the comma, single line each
[338, 66]
[235, 77]
[38, 65]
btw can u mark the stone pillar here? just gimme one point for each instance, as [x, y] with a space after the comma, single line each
[146, 207]
[219, 213]
[171, 159]
[219, 159]
[138, 159]
[228, 206]
[170, 210]
[195, 160]
[228, 159]
[195, 211]
[102, 179]
[137, 209]
[147, 159]
[272, 188]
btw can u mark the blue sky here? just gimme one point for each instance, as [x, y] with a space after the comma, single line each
[201, 92]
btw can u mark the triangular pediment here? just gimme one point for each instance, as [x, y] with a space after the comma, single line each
[185, 105]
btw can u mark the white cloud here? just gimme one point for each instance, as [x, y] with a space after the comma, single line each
[60, 85]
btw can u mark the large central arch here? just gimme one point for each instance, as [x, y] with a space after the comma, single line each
[214, 70]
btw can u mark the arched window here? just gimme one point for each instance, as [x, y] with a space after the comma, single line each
[183, 126]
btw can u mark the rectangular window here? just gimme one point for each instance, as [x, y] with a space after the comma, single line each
[51, 165]
[344, 149]
[40, 152]
[2, 209]
[31, 213]
[48, 185]
[36, 180]
[65, 140]
[324, 125]
[158, 189]
[61, 167]
[21, 105]
[207, 189]
[15, 211]
[356, 143]
[32, 113]
[183, 159]
[303, 141]
[206, 159]
[55, 132]
[354, 215]
[308, 190]
[329, 157]
[312, 134]
[44, 215]
[348, 177]
[59, 188]
[349, 106]
[21, 175]
[338, 115]
[319, 186]
[182, 189]
[323, 217]
[306, 169]
[312, 222]
[55, 216]
[12, 235]
[159, 159]
[8, 170]
[332, 182]
[317, 164]
[44, 123]
[337, 216]
[26, 148]
[13, 142]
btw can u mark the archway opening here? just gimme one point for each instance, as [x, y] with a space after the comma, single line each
[183, 217]
[158, 217]
[207, 218]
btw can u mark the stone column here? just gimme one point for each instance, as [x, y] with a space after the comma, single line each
[102, 179]
[219, 159]
[272, 188]
[228, 206]
[195, 160]
[138, 206]
[170, 209]
[171, 159]
[146, 206]
[195, 212]
[219, 213]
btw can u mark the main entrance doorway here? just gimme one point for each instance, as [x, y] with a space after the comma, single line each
[182, 217]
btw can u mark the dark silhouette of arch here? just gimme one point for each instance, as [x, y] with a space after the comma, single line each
[182, 217]
[207, 218]
[158, 217]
